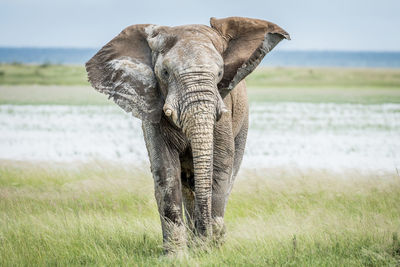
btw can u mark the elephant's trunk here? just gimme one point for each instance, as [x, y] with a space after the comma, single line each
[200, 135]
[198, 116]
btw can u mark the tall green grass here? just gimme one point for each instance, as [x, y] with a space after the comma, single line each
[101, 214]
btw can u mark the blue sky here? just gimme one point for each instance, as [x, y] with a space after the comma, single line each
[312, 24]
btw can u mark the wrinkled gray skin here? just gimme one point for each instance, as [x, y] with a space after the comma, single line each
[185, 83]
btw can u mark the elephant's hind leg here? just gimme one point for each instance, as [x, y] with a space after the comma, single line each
[240, 143]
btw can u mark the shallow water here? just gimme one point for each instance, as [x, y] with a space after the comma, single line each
[298, 135]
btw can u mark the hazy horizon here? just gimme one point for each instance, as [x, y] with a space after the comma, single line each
[313, 25]
[305, 58]
[277, 48]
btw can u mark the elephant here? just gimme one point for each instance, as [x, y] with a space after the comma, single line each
[186, 84]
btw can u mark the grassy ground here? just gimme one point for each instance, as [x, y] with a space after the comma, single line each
[99, 214]
[96, 214]
[51, 95]
[325, 77]
[45, 74]
[85, 95]
[60, 84]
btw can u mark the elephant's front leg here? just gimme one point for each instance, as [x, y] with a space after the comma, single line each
[165, 167]
[222, 173]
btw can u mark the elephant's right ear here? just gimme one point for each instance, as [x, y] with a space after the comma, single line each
[123, 70]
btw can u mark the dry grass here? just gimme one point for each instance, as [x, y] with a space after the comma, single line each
[51, 95]
[85, 95]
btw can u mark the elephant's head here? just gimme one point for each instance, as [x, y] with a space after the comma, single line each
[183, 73]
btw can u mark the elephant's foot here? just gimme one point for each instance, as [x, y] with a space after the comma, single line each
[216, 237]
[218, 227]
[176, 240]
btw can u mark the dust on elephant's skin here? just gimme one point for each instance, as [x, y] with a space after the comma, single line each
[186, 85]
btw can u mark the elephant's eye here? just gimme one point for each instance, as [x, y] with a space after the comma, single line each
[165, 73]
[220, 74]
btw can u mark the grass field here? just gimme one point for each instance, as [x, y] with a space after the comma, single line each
[101, 214]
[45, 74]
[96, 214]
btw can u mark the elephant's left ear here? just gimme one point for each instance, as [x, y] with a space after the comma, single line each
[123, 70]
[248, 41]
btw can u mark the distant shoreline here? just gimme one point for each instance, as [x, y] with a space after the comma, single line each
[277, 58]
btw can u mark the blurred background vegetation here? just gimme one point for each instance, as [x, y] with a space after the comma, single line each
[297, 84]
